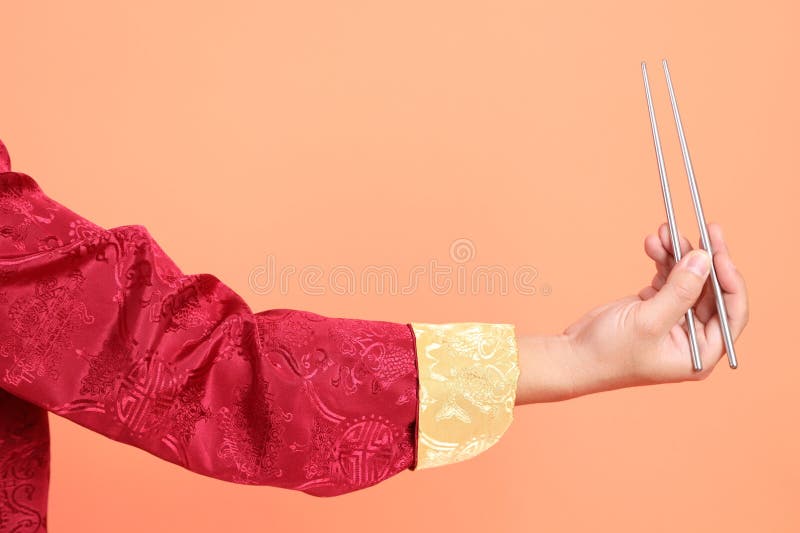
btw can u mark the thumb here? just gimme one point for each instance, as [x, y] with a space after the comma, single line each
[681, 290]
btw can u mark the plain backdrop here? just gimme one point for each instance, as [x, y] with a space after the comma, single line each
[379, 133]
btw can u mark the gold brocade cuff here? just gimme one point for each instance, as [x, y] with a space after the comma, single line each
[468, 375]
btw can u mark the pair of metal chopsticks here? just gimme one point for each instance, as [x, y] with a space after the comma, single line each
[701, 221]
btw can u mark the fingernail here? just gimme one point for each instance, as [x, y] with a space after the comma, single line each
[698, 262]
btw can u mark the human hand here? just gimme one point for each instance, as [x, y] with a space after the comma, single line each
[641, 339]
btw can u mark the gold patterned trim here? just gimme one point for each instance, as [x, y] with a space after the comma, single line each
[468, 375]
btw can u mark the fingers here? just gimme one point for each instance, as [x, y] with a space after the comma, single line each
[666, 241]
[730, 279]
[673, 291]
[706, 305]
[731, 282]
[663, 260]
[647, 292]
[734, 289]
[734, 293]
[655, 249]
[658, 247]
[658, 314]
[711, 352]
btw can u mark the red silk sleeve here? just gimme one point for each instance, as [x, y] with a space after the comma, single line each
[101, 327]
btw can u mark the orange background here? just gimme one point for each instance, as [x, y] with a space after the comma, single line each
[378, 133]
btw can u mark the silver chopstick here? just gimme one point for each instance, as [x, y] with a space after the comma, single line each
[697, 364]
[701, 222]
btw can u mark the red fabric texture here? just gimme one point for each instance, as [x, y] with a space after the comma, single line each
[101, 327]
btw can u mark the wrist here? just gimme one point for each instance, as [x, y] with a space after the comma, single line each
[547, 369]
